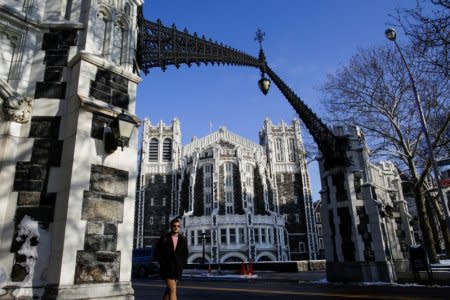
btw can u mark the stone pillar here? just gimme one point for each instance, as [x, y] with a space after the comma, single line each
[62, 194]
[360, 242]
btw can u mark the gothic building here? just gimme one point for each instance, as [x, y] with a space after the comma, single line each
[241, 200]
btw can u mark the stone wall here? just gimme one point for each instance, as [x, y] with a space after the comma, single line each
[31, 181]
[56, 44]
[103, 210]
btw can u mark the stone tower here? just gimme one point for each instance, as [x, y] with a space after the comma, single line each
[287, 165]
[67, 72]
[160, 160]
[364, 216]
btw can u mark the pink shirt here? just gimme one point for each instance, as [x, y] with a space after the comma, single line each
[174, 241]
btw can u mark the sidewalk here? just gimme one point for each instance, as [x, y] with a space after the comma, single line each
[313, 277]
[309, 276]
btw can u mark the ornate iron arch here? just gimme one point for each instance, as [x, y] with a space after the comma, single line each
[161, 46]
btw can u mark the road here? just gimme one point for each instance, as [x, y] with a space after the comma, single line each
[148, 289]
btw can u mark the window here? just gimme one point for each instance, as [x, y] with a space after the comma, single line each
[153, 150]
[228, 187]
[207, 237]
[101, 32]
[167, 150]
[283, 200]
[257, 236]
[223, 236]
[297, 218]
[232, 235]
[152, 201]
[150, 220]
[291, 150]
[279, 150]
[207, 198]
[263, 235]
[127, 9]
[8, 48]
[192, 237]
[163, 202]
[319, 230]
[271, 239]
[164, 177]
[241, 233]
[163, 220]
[357, 184]
[199, 238]
[207, 169]
[229, 197]
[301, 247]
[281, 178]
[118, 43]
[320, 243]
[152, 179]
[207, 211]
[318, 217]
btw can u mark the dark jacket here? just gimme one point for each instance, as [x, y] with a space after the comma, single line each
[171, 262]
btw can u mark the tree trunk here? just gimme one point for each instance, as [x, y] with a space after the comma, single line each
[435, 229]
[428, 240]
[443, 224]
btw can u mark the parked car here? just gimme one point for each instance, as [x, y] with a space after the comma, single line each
[143, 263]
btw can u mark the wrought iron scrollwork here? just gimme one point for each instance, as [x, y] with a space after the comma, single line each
[161, 46]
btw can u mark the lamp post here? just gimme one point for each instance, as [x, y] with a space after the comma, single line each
[203, 246]
[392, 35]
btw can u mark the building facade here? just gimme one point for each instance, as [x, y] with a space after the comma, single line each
[239, 200]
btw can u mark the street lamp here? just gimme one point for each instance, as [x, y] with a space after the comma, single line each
[392, 35]
[119, 132]
[203, 234]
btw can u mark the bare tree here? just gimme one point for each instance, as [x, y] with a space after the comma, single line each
[373, 92]
[429, 33]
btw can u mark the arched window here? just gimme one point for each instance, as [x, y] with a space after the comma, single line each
[101, 32]
[153, 150]
[167, 150]
[291, 150]
[127, 9]
[118, 44]
[279, 150]
[8, 49]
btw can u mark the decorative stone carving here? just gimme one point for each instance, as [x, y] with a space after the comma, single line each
[16, 107]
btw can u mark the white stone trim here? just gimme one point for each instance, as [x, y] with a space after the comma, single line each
[221, 134]
[104, 64]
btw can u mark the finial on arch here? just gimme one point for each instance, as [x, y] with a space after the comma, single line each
[260, 36]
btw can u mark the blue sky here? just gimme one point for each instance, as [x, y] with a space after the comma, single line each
[305, 41]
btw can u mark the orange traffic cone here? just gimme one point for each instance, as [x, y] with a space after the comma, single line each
[243, 269]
